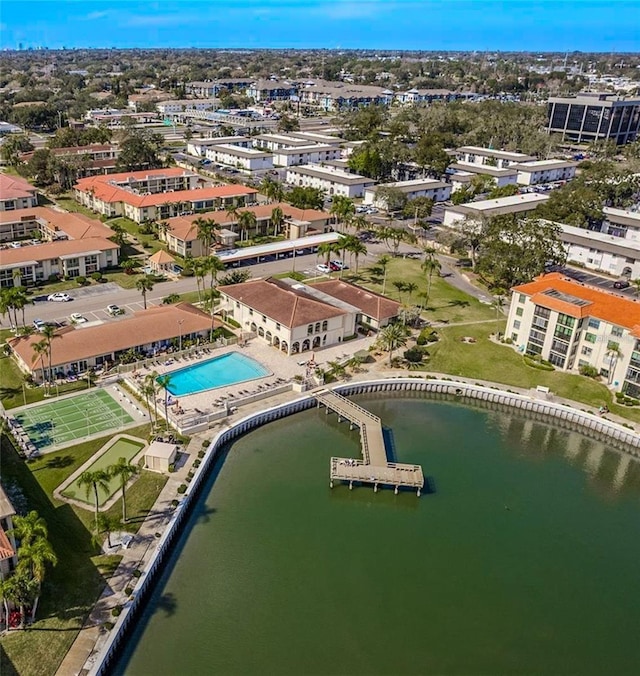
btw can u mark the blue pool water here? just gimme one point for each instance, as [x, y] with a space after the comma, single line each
[228, 369]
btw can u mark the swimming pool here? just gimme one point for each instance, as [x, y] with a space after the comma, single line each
[228, 369]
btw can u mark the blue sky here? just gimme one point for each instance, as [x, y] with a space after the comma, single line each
[531, 25]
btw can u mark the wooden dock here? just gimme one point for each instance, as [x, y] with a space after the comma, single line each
[374, 468]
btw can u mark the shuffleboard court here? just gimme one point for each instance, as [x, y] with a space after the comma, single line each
[66, 420]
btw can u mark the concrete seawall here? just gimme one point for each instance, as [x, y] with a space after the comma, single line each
[560, 415]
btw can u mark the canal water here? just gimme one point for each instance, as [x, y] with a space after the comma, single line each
[522, 559]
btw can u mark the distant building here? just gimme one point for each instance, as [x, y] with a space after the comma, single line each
[179, 106]
[271, 90]
[306, 154]
[592, 116]
[438, 191]
[211, 89]
[545, 171]
[488, 157]
[95, 158]
[329, 180]
[246, 159]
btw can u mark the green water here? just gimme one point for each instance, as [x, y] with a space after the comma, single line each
[524, 559]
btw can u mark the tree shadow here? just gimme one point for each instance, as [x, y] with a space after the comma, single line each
[167, 604]
[204, 515]
[59, 462]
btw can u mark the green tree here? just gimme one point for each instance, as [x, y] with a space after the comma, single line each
[29, 528]
[429, 265]
[140, 150]
[13, 147]
[150, 381]
[33, 558]
[247, 221]
[277, 220]
[123, 470]
[145, 284]
[306, 198]
[391, 337]
[200, 269]
[163, 383]
[418, 208]
[342, 208]
[287, 123]
[96, 479]
[205, 229]
[393, 198]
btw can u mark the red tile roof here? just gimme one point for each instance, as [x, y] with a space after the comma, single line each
[6, 550]
[76, 226]
[609, 307]
[370, 303]
[14, 187]
[53, 250]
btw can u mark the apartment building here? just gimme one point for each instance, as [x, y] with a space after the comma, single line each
[271, 90]
[333, 96]
[16, 193]
[499, 176]
[212, 89]
[245, 159]
[488, 157]
[572, 325]
[89, 160]
[593, 116]
[306, 154]
[545, 171]
[8, 549]
[275, 142]
[181, 105]
[198, 147]
[414, 95]
[330, 180]
[621, 223]
[515, 204]
[438, 191]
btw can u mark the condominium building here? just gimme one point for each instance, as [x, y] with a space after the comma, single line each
[515, 204]
[545, 171]
[572, 325]
[179, 106]
[16, 193]
[488, 157]
[621, 223]
[592, 116]
[210, 89]
[246, 159]
[198, 147]
[499, 176]
[8, 549]
[271, 90]
[306, 154]
[328, 179]
[438, 191]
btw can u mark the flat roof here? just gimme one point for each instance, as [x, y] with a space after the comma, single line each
[335, 175]
[622, 216]
[240, 152]
[597, 240]
[511, 204]
[415, 185]
[538, 165]
[277, 247]
[483, 169]
[500, 154]
[311, 148]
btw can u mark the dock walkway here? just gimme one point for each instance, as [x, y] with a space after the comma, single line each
[374, 468]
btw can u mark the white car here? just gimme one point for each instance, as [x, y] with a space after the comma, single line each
[39, 324]
[325, 269]
[114, 310]
[77, 318]
[59, 297]
[340, 265]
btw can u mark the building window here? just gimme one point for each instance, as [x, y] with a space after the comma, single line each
[616, 331]
[613, 346]
[264, 319]
[519, 311]
[522, 298]
[309, 329]
[277, 327]
[590, 337]
[325, 325]
[586, 351]
[317, 327]
[250, 312]
[516, 324]
[514, 337]
[594, 324]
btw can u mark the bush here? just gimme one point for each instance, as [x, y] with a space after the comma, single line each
[537, 363]
[414, 355]
[508, 341]
[54, 278]
[128, 590]
[427, 336]
[589, 371]
[233, 322]
[116, 611]
[171, 299]
[108, 626]
[182, 488]
[175, 503]
[96, 276]
[196, 463]
[187, 272]
[81, 281]
[137, 573]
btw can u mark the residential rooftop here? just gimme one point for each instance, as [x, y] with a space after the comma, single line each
[335, 175]
[14, 187]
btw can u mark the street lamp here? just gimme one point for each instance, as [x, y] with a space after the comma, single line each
[180, 322]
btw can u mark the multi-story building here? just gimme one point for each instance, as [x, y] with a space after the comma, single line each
[275, 142]
[438, 191]
[179, 106]
[572, 325]
[89, 160]
[488, 157]
[499, 176]
[332, 96]
[246, 159]
[545, 171]
[515, 204]
[212, 89]
[329, 179]
[16, 193]
[306, 154]
[8, 556]
[271, 90]
[592, 116]
[621, 223]
[198, 147]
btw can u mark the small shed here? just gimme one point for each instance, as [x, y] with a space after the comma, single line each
[161, 262]
[159, 456]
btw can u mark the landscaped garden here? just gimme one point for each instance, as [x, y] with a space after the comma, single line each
[73, 585]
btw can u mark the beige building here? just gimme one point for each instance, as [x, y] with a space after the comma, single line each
[146, 332]
[516, 204]
[160, 456]
[545, 171]
[8, 556]
[16, 193]
[329, 180]
[438, 191]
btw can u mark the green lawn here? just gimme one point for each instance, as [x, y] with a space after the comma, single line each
[122, 448]
[67, 202]
[150, 242]
[72, 587]
[487, 360]
[11, 390]
[446, 303]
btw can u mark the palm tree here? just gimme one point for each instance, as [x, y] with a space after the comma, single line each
[357, 249]
[205, 232]
[49, 333]
[199, 271]
[148, 391]
[410, 287]
[498, 304]
[232, 213]
[20, 590]
[336, 369]
[145, 284]
[277, 220]
[39, 351]
[429, 265]
[28, 528]
[119, 234]
[123, 470]
[392, 337]
[105, 524]
[326, 249]
[99, 478]
[33, 558]
[246, 221]
[163, 383]
[400, 286]
[359, 222]
[151, 382]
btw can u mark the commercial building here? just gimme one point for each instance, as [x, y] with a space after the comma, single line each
[545, 171]
[328, 179]
[515, 204]
[146, 332]
[572, 326]
[16, 193]
[438, 191]
[592, 116]
[157, 194]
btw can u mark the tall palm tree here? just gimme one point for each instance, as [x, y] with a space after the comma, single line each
[326, 249]
[29, 527]
[246, 221]
[400, 286]
[205, 232]
[40, 350]
[277, 220]
[98, 479]
[392, 337]
[145, 284]
[49, 334]
[151, 382]
[123, 470]
[163, 383]
[232, 214]
[33, 558]
[148, 391]
[199, 271]
[429, 265]
[410, 288]
[357, 249]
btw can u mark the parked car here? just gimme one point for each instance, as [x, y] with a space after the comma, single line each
[114, 310]
[77, 318]
[621, 284]
[339, 265]
[39, 324]
[325, 269]
[59, 297]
